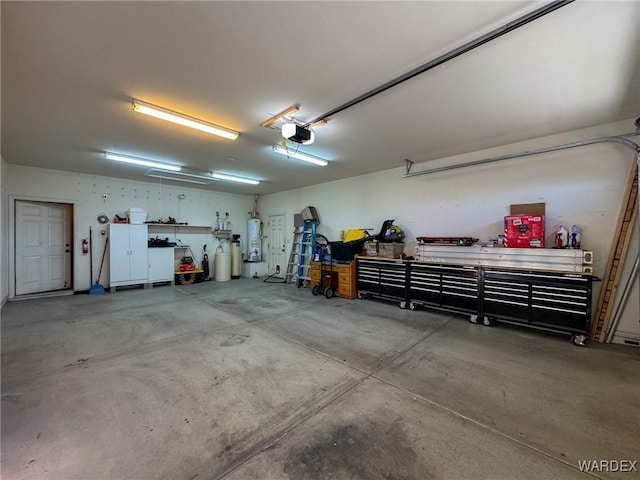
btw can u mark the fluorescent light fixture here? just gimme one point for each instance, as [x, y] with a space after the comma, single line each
[142, 161]
[231, 178]
[300, 156]
[289, 111]
[201, 179]
[184, 120]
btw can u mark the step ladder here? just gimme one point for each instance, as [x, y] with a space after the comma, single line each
[622, 236]
[302, 249]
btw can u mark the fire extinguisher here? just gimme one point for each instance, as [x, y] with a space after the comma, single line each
[85, 246]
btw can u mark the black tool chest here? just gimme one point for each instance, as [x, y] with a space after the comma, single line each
[444, 286]
[384, 278]
[559, 302]
[544, 299]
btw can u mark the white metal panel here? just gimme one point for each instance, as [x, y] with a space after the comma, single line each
[118, 252]
[138, 262]
[128, 254]
[161, 264]
[568, 260]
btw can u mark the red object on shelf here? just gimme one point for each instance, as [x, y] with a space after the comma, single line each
[524, 231]
[187, 268]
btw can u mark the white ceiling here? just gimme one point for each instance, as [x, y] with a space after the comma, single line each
[71, 69]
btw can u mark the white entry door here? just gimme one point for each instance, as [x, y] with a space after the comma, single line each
[277, 245]
[43, 247]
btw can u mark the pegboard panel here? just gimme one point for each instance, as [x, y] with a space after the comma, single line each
[95, 195]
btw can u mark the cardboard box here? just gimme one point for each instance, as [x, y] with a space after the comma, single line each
[527, 209]
[310, 214]
[384, 250]
[524, 231]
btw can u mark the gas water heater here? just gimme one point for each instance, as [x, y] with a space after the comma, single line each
[254, 243]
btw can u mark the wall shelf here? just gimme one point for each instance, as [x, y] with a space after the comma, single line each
[175, 228]
[222, 233]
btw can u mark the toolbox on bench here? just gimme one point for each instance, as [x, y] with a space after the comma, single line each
[346, 251]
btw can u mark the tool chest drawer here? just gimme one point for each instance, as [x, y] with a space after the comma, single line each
[506, 297]
[347, 280]
[558, 301]
[444, 286]
[383, 278]
[314, 273]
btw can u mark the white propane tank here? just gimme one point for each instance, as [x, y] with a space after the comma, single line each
[254, 245]
[223, 266]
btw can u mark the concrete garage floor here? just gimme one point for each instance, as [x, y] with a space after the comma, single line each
[251, 380]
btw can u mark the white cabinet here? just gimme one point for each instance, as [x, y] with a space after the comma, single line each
[128, 262]
[161, 264]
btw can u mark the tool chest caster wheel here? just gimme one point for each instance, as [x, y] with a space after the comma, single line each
[328, 293]
[473, 318]
[487, 321]
[403, 305]
[578, 340]
[412, 306]
[361, 295]
[316, 290]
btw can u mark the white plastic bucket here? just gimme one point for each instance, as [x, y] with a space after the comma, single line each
[222, 267]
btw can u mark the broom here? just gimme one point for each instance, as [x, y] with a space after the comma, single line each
[96, 288]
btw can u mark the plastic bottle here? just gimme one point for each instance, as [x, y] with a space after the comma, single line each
[576, 234]
[562, 237]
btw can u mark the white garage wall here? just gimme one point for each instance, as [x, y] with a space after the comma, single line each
[87, 192]
[581, 186]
